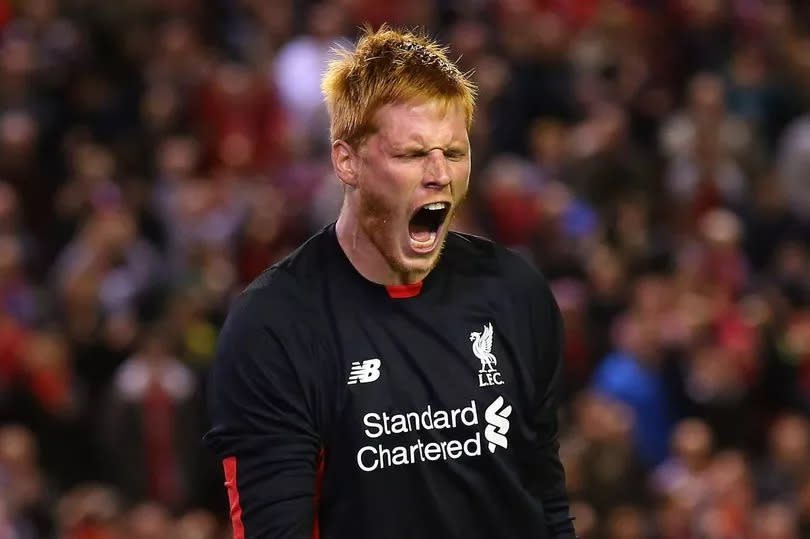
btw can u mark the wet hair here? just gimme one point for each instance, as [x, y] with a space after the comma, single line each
[389, 66]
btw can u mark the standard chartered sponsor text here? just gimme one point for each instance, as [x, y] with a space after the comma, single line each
[379, 456]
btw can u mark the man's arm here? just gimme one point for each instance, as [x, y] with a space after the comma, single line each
[263, 407]
[552, 476]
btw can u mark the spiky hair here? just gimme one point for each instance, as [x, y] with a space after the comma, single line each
[389, 66]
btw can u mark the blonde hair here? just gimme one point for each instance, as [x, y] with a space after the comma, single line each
[389, 66]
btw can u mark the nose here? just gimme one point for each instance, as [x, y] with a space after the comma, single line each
[437, 171]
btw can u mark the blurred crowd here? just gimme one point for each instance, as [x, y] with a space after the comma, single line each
[651, 156]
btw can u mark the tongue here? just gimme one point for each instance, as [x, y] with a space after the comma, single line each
[420, 233]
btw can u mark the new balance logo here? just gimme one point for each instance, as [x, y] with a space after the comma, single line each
[365, 372]
[496, 416]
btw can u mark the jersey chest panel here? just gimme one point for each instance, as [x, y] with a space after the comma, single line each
[431, 390]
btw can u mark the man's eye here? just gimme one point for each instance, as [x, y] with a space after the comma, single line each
[455, 155]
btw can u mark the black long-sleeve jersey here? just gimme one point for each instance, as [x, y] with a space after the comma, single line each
[343, 409]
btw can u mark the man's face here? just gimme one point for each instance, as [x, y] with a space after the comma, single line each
[413, 173]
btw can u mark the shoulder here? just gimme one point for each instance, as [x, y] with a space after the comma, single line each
[270, 339]
[304, 265]
[282, 297]
[470, 246]
[470, 253]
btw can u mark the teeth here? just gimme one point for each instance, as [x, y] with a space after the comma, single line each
[435, 206]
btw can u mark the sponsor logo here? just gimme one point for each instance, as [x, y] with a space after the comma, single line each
[482, 348]
[457, 444]
[365, 372]
[497, 420]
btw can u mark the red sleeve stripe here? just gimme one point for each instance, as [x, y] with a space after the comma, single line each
[320, 468]
[229, 464]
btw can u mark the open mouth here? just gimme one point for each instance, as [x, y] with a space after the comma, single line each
[425, 224]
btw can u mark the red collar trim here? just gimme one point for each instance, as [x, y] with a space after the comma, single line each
[404, 290]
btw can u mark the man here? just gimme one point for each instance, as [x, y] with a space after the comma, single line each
[367, 388]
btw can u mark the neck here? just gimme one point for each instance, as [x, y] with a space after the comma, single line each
[364, 254]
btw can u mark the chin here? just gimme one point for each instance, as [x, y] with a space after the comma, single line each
[414, 264]
[421, 266]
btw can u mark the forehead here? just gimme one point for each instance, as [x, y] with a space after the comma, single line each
[431, 122]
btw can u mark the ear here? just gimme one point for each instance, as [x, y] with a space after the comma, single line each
[346, 162]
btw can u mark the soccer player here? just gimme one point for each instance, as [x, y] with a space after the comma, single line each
[392, 379]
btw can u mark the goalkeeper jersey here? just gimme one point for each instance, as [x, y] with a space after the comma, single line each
[344, 409]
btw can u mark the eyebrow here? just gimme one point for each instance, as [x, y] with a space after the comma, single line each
[413, 144]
